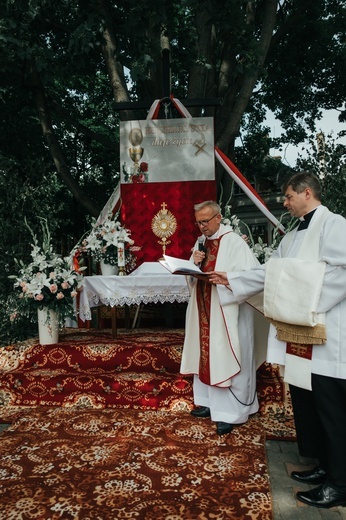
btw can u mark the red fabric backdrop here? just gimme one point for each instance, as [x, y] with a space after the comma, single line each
[141, 202]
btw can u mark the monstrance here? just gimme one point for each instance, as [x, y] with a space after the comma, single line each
[164, 225]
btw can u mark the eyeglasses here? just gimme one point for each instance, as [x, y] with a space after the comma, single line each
[205, 222]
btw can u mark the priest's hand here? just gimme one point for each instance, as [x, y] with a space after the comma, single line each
[217, 277]
[198, 256]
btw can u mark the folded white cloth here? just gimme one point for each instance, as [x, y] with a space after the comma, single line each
[292, 291]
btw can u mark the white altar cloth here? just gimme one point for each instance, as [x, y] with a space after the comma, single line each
[150, 283]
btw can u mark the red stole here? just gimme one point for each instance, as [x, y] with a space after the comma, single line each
[203, 296]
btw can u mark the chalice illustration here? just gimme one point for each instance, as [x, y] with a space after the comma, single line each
[136, 151]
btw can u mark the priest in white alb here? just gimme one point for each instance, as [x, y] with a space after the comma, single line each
[219, 340]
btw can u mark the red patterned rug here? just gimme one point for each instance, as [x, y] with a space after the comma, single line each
[138, 370]
[112, 464]
[101, 430]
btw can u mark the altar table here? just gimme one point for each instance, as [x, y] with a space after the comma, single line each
[150, 283]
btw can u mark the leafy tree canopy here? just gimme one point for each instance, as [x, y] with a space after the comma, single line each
[65, 64]
[65, 67]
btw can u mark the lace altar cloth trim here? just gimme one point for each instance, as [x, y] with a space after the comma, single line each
[131, 290]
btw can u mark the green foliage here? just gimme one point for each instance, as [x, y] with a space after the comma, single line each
[254, 161]
[14, 327]
[56, 53]
[328, 162]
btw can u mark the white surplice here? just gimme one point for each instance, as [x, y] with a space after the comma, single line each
[328, 359]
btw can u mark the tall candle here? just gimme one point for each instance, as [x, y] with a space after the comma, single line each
[121, 254]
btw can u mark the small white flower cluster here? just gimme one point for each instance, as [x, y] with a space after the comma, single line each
[234, 222]
[260, 249]
[103, 241]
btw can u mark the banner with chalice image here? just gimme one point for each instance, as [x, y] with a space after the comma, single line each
[166, 167]
[167, 150]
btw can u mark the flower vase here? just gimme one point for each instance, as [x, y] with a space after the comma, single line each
[48, 326]
[108, 269]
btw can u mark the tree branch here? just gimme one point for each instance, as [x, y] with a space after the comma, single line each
[114, 68]
[53, 144]
[202, 75]
[230, 114]
[110, 144]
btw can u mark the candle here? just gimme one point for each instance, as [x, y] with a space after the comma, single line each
[121, 254]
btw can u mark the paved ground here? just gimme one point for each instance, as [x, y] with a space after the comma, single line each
[283, 458]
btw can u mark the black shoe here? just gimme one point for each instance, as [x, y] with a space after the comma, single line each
[223, 427]
[323, 496]
[311, 476]
[201, 411]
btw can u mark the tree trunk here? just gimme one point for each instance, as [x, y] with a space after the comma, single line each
[53, 144]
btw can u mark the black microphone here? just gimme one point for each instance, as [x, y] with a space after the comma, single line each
[201, 244]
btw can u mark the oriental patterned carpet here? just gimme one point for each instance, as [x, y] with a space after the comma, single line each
[131, 464]
[139, 369]
[101, 430]
[275, 410]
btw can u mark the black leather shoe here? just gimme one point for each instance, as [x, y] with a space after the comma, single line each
[316, 475]
[323, 496]
[223, 427]
[201, 411]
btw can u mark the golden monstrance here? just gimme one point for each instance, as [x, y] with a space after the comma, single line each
[164, 225]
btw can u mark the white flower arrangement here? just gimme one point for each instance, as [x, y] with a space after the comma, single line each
[262, 251]
[103, 241]
[49, 281]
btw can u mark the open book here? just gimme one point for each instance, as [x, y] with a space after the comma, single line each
[180, 266]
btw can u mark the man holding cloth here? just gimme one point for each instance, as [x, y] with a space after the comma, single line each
[304, 285]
